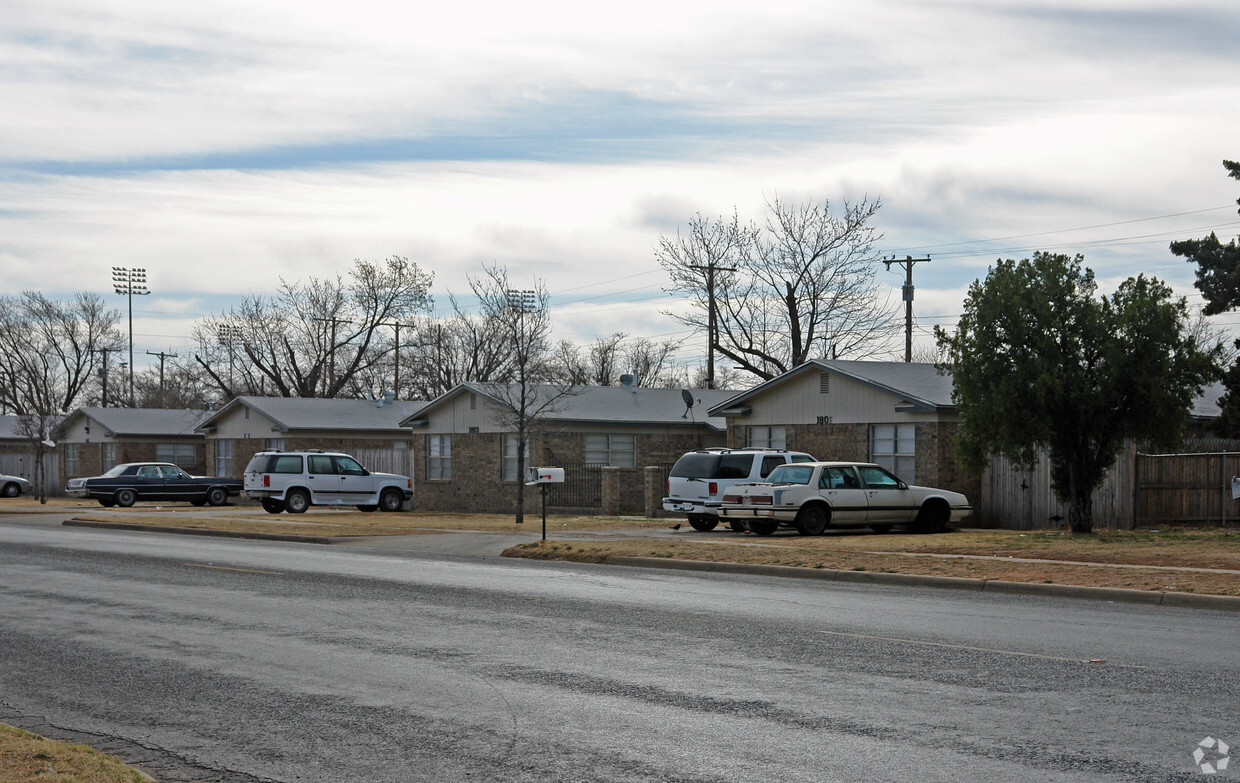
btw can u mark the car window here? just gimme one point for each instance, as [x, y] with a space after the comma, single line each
[734, 466]
[348, 466]
[287, 463]
[173, 472]
[802, 458]
[839, 478]
[148, 471]
[877, 478]
[769, 464]
[791, 474]
[119, 470]
[321, 464]
[695, 466]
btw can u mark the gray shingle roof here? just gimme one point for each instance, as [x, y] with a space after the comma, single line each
[609, 404]
[139, 422]
[312, 413]
[915, 382]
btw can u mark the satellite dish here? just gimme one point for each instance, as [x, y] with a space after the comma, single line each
[687, 396]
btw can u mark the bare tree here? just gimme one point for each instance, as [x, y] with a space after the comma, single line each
[314, 337]
[521, 319]
[48, 353]
[800, 286]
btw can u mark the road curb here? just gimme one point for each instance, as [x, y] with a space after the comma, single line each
[1225, 603]
[194, 531]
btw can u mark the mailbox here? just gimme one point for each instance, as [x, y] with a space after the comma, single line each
[546, 476]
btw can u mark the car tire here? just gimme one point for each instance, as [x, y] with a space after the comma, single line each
[12, 490]
[272, 506]
[296, 501]
[703, 522]
[933, 517]
[763, 528]
[881, 528]
[368, 508]
[812, 521]
[126, 497]
[390, 500]
[737, 526]
[217, 496]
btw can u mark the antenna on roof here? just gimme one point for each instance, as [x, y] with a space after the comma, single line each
[687, 396]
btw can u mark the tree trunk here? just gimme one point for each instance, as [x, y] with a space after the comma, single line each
[1081, 512]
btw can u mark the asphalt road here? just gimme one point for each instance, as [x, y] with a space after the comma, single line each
[221, 660]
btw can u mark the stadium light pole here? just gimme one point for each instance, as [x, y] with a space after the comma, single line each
[127, 282]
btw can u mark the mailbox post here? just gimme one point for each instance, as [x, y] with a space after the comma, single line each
[542, 477]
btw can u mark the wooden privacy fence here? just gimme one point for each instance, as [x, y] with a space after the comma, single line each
[1186, 489]
[23, 465]
[1023, 499]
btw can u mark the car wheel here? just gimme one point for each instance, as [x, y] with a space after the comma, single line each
[217, 496]
[126, 497]
[390, 500]
[11, 490]
[737, 526]
[933, 517]
[272, 506]
[296, 501]
[703, 522]
[763, 528]
[812, 521]
[881, 528]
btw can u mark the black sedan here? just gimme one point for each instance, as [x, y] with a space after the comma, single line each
[159, 482]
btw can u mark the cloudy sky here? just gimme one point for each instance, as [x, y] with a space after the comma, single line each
[224, 145]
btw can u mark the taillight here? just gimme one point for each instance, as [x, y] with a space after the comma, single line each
[760, 500]
[714, 487]
[266, 480]
[736, 499]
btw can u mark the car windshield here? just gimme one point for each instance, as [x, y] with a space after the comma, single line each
[791, 474]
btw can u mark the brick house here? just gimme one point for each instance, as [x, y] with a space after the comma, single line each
[368, 429]
[466, 450]
[91, 440]
[898, 414]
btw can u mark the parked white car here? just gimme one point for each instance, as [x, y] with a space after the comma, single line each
[813, 496]
[698, 480]
[12, 486]
[295, 480]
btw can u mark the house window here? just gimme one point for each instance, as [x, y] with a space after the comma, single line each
[271, 444]
[618, 451]
[71, 451]
[223, 457]
[894, 446]
[109, 456]
[439, 457]
[768, 437]
[508, 460]
[179, 454]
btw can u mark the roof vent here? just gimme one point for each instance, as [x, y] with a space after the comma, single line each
[628, 380]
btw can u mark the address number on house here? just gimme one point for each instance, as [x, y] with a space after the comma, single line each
[824, 419]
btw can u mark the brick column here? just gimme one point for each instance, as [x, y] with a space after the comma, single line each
[612, 500]
[654, 490]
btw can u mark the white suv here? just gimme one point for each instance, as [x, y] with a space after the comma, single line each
[698, 479]
[295, 480]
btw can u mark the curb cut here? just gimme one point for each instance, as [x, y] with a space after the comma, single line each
[194, 531]
[1225, 603]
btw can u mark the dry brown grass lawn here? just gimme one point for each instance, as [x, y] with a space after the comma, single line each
[29, 758]
[1199, 561]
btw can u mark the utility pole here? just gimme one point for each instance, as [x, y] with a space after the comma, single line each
[712, 323]
[128, 282]
[907, 263]
[162, 355]
[397, 325]
[103, 374]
